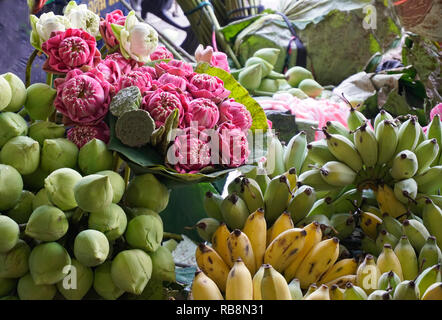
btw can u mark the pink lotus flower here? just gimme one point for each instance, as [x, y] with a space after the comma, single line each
[111, 73]
[214, 58]
[80, 135]
[161, 53]
[116, 17]
[175, 67]
[83, 97]
[70, 49]
[203, 111]
[125, 65]
[234, 147]
[237, 113]
[177, 81]
[139, 77]
[219, 60]
[202, 85]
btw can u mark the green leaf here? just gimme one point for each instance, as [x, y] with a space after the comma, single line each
[116, 29]
[233, 29]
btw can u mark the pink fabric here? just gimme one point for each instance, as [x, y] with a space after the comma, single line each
[114, 17]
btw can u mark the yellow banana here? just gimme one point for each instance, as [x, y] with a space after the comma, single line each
[204, 288]
[342, 281]
[336, 293]
[369, 223]
[433, 292]
[311, 288]
[341, 268]
[283, 223]
[292, 178]
[274, 286]
[257, 278]
[256, 228]
[321, 257]
[239, 284]
[240, 247]
[212, 265]
[388, 261]
[368, 274]
[219, 243]
[388, 203]
[322, 293]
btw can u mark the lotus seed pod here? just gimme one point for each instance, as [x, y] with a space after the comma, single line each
[93, 192]
[60, 188]
[27, 289]
[5, 93]
[58, 153]
[144, 232]
[23, 153]
[18, 92]
[163, 266]
[94, 157]
[41, 199]
[111, 221]
[11, 125]
[311, 87]
[131, 270]
[91, 247]
[117, 182]
[47, 263]
[11, 186]
[42, 130]
[36, 180]
[22, 210]
[47, 223]
[40, 101]
[135, 212]
[145, 191]
[77, 282]
[126, 99]
[9, 234]
[14, 263]
[6, 286]
[296, 74]
[103, 283]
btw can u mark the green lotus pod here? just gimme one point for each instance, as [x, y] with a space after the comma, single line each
[23, 153]
[131, 270]
[126, 99]
[41, 199]
[111, 221]
[91, 247]
[14, 263]
[47, 223]
[9, 234]
[311, 87]
[145, 191]
[298, 93]
[36, 180]
[11, 125]
[135, 212]
[27, 289]
[60, 188]
[6, 286]
[170, 244]
[117, 182]
[11, 186]
[5, 93]
[93, 192]
[18, 92]
[40, 101]
[103, 283]
[42, 130]
[58, 153]
[269, 85]
[163, 266]
[268, 54]
[296, 75]
[22, 210]
[144, 232]
[250, 77]
[94, 157]
[77, 282]
[47, 263]
[265, 65]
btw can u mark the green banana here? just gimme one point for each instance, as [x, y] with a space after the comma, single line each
[407, 258]
[212, 205]
[353, 292]
[355, 119]
[301, 203]
[335, 127]
[344, 224]
[348, 201]
[405, 190]
[314, 179]
[432, 219]
[296, 151]
[430, 182]
[319, 153]
[416, 233]
[428, 277]
[251, 194]
[426, 154]
[275, 158]
[263, 181]
[408, 135]
[322, 206]
[387, 137]
[366, 144]
[368, 245]
[381, 116]
[206, 227]
[344, 150]
[276, 198]
[337, 174]
[391, 225]
[404, 165]
[406, 290]
[234, 211]
[430, 254]
[380, 295]
[434, 131]
[234, 186]
[389, 280]
[319, 218]
[383, 238]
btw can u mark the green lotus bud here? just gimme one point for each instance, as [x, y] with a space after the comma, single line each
[144, 232]
[94, 156]
[296, 74]
[27, 289]
[311, 87]
[265, 65]
[93, 192]
[111, 220]
[18, 92]
[36, 180]
[14, 263]
[91, 247]
[5, 93]
[103, 283]
[47, 223]
[60, 188]
[47, 263]
[250, 77]
[131, 270]
[22, 210]
[42, 130]
[58, 153]
[6, 286]
[268, 85]
[11, 125]
[163, 266]
[9, 234]
[117, 182]
[145, 191]
[41, 199]
[77, 282]
[40, 101]
[268, 54]
[170, 244]
[135, 212]
[298, 93]
[23, 153]
[11, 186]
[283, 84]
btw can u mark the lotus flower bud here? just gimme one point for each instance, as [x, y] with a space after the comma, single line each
[144, 232]
[93, 192]
[40, 101]
[311, 87]
[103, 283]
[41, 199]
[163, 266]
[5, 93]
[269, 54]
[18, 92]
[27, 289]
[170, 244]
[91, 247]
[296, 74]
[135, 212]
[41, 130]
[145, 191]
[11, 186]
[47, 263]
[6, 286]
[77, 282]
[250, 77]
[36, 180]
[298, 93]
[266, 66]
[22, 210]
[47, 223]
[58, 153]
[60, 188]
[117, 182]
[131, 270]
[11, 125]
[23, 153]
[111, 220]
[14, 263]
[94, 156]
[80, 17]
[9, 234]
